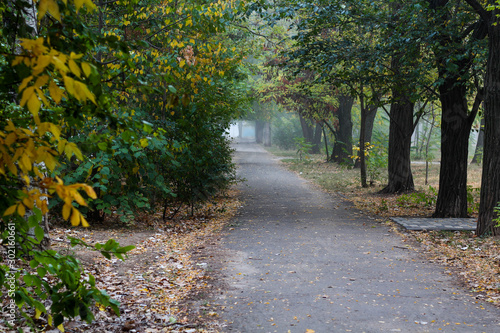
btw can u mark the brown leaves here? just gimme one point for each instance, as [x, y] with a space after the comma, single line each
[477, 259]
[153, 285]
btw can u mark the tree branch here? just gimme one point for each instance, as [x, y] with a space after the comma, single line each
[478, 8]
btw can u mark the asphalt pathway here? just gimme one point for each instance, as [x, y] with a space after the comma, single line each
[297, 259]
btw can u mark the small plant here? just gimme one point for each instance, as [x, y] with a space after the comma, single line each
[303, 148]
[472, 203]
[497, 213]
[418, 199]
[376, 160]
[383, 207]
[356, 149]
[377, 163]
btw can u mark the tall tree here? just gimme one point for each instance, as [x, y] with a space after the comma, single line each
[490, 182]
[454, 59]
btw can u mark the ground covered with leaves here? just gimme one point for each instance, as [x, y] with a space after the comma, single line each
[475, 261]
[157, 283]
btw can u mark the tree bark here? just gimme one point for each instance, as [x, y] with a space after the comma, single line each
[478, 153]
[456, 122]
[400, 131]
[455, 129]
[490, 182]
[342, 148]
[326, 142]
[367, 119]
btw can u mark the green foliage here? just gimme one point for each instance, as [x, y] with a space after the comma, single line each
[496, 219]
[48, 275]
[472, 199]
[418, 199]
[377, 161]
[203, 167]
[285, 129]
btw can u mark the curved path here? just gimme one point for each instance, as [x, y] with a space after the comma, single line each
[298, 259]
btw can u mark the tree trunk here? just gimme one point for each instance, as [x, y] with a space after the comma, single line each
[267, 134]
[326, 142]
[342, 149]
[478, 153]
[400, 131]
[455, 129]
[368, 119]
[311, 133]
[456, 123]
[259, 131]
[362, 136]
[490, 182]
[317, 139]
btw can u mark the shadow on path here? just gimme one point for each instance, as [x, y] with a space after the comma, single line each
[297, 258]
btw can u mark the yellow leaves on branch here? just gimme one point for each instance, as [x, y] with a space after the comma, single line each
[69, 193]
[51, 7]
[26, 154]
[44, 60]
[25, 149]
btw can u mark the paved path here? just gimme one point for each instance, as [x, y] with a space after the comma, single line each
[298, 259]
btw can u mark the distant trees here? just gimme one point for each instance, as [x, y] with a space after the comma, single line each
[400, 53]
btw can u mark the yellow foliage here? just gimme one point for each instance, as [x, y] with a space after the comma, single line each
[26, 153]
[39, 57]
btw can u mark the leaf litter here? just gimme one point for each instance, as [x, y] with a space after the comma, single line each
[160, 277]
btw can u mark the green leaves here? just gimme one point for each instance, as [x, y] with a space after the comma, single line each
[111, 247]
